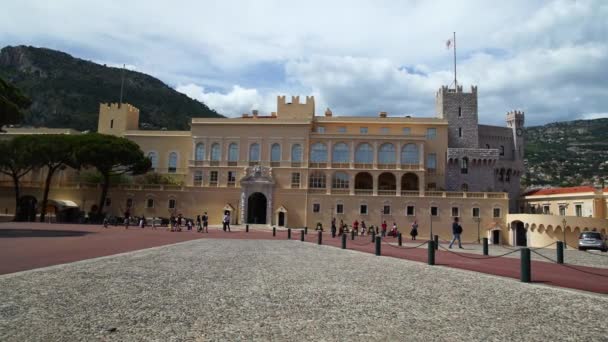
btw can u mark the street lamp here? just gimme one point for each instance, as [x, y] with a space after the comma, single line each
[564, 230]
[478, 220]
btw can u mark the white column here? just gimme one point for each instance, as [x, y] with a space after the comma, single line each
[399, 145]
[421, 161]
[329, 153]
[352, 154]
[375, 166]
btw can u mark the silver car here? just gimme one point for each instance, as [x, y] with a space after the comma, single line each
[592, 240]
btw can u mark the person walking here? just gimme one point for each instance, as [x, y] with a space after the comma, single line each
[199, 227]
[205, 219]
[363, 228]
[384, 226]
[333, 227]
[226, 222]
[356, 227]
[127, 218]
[456, 231]
[414, 231]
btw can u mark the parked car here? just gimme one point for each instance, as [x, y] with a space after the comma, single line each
[592, 240]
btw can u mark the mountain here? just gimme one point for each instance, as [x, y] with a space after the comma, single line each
[66, 91]
[567, 153]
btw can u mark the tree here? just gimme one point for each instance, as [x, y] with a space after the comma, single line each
[12, 104]
[53, 152]
[110, 155]
[17, 159]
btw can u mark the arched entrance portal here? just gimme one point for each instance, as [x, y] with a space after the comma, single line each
[256, 208]
[520, 234]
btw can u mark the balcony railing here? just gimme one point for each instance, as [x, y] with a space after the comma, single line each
[214, 163]
[317, 165]
[317, 190]
[296, 164]
[387, 192]
[295, 185]
[231, 184]
[410, 193]
[275, 163]
[363, 166]
[364, 191]
[410, 166]
[340, 191]
[232, 163]
[340, 165]
[387, 166]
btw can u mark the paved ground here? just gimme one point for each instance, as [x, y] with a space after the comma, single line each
[208, 290]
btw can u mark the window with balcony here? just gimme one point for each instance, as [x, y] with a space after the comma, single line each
[254, 154]
[409, 154]
[363, 130]
[213, 178]
[318, 153]
[295, 180]
[233, 154]
[431, 133]
[431, 162]
[199, 152]
[215, 154]
[317, 180]
[407, 131]
[339, 181]
[386, 154]
[296, 153]
[198, 177]
[172, 165]
[340, 154]
[231, 178]
[275, 155]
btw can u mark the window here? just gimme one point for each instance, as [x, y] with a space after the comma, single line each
[496, 212]
[578, 208]
[431, 162]
[108, 201]
[215, 152]
[213, 176]
[409, 154]
[546, 209]
[112, 123]
[410, 210]
[475, 212]
[363, 209]
[464, 165]
[364, 154]
[295, 180]
[455, 211]
[172, 203]
[320, 129]
[296, 153]
[562, 210]
[386, 210]
[198, 177]
[150, 203]
[431, 186]
[384, 130]
[488, 146]
[339, 181]
[508, 176]
[275, 153]
[434, 211]
[386, 154]
[199, 151]
[318, 153]
[431, 133]
[340, 153]
[459, 112]
[254, 152]
[153, 160]
[233, 152]
[340, 208]
[316, 180]
[316, 207]
[341, 129]
[231, 177]
[460, 132]
[363, 130]
[407, 131]
[172, 162]
[502, 150]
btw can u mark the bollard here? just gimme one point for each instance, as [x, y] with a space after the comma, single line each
[301, 235]
[288, 233]
[352, 234]
[431, 250]
[246, 228]
[274, 231]
[399, 241]
[378, 241]
[306, 230]
[485, 246]
[560, 252]
[526, 274]
[373, 237]
[343, 241]
[436, 240]
[320, 237]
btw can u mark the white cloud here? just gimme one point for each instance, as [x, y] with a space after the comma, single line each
[234, 103]
[592, 116]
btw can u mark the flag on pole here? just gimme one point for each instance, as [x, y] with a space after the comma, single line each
[448, 44]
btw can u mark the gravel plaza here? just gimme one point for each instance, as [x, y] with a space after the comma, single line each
[259, 289]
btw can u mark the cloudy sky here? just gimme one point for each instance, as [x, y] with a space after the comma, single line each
[549, 59]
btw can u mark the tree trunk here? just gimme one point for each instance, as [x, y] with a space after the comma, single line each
[104, 192]
[47, 188]
[17, 194]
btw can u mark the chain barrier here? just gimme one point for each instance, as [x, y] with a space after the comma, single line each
[543, 247]
[569, 266]
[405, 247]
[480, 257]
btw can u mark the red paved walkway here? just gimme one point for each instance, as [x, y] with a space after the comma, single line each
[32, 245]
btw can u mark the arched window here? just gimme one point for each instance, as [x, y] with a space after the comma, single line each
[199, 152]
[464, 165]
[340, 153]
[386, 154]
[296, 153]
[215, 152]
[502, 150]
[233, 152]
[275, 153]
[364, 154]
[153, 159]
[254, 152]
[172, 162]
[339, 181]
[318, 153]
[409, 154]
[317, 180]
[464, 187]
[488, 146]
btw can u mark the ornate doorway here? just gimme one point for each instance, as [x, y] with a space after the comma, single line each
[256, 208]
[256, 196]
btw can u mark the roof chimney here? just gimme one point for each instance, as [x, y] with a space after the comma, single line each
[245, 115]
[255, 113]
[382, 114]
[328, 112]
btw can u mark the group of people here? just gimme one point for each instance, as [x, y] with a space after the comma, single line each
[362, 229]
[176, 222]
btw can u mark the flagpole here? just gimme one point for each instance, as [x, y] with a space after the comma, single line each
[455, 82]
[122, 82]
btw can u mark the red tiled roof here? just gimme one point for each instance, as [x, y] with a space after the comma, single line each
[559, 191]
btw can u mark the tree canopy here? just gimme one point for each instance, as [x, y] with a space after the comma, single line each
[12, 104]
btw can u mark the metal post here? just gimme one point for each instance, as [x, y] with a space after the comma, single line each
[485, 246]
[306, 230]
[352, 234]
[526, 274]
[436, 242]
[431, 250]
[399, 241]
[274, 231]
[301, 235]
[343, 241]
[246, 228]
[560, 252]
[319, 237]
[288, 233]
[378, 241]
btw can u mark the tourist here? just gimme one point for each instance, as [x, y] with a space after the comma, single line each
[198, 223]
[333, 227]
[456, 231]
[414, 231]
[141, 222]
[154, 222]
[189, 224]
[363, 227]
[105, 222]
[179, 222]
[205, 219]
[384, 226]
[394, 230]
[226, 222]
[127, 217]
[356, 227]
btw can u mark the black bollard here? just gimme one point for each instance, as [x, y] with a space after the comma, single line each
[560, 252]
[436, 240]
[274, 231]
[352, 234]
[320, 237]
[301, 235]
[288, 233]
[343, 241]
[306, 230]
[399, 240]
[246, 228]
[526, 272]
[431, 250]
[485, 246]
[378, 241]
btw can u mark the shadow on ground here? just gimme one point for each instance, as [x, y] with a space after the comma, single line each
[29, 233]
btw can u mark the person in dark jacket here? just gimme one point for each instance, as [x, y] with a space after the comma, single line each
[456, 231]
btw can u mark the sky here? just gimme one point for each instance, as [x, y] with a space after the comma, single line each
[547, 58]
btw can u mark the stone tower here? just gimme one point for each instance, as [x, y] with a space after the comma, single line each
[515, 121]
[115, 118]
[460, 109]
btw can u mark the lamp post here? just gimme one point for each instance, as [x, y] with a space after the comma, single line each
[478, 220]
[564, 230]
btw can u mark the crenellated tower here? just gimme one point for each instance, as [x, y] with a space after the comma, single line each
[116, 118]
[460, 109]
[515, 121]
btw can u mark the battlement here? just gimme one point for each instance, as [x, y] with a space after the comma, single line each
[295, 109]
[117, 107]
[459, 89]
[515, 114]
